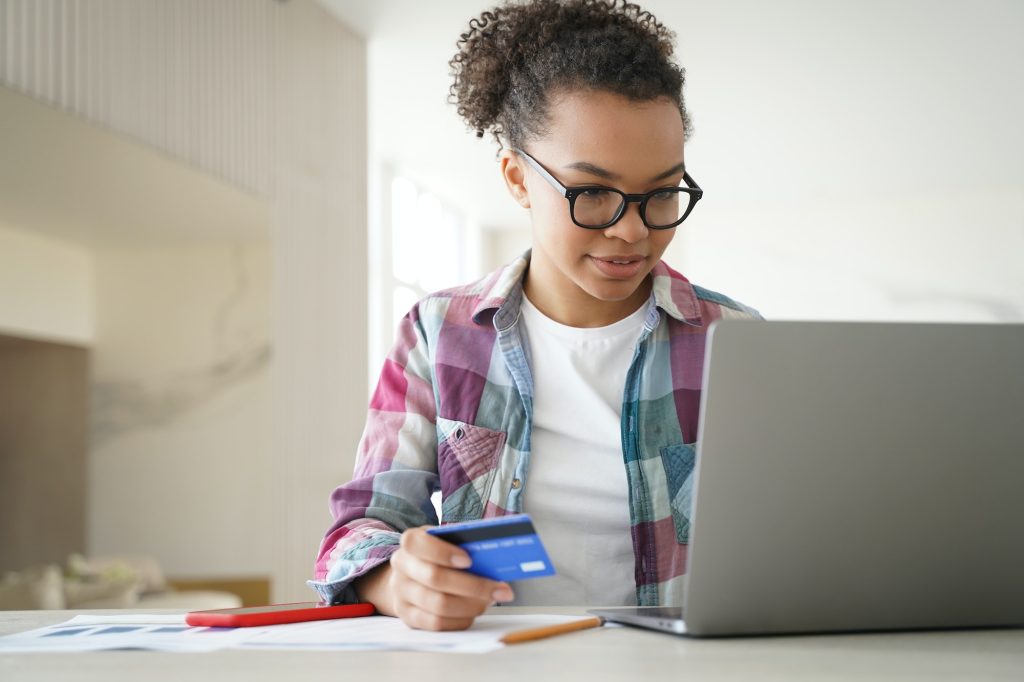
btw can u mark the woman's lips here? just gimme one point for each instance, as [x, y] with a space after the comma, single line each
[627, 267]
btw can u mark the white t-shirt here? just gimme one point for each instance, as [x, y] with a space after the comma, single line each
[576, 490]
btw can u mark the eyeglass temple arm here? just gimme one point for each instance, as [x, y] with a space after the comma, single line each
[543, 171]
[688, 179]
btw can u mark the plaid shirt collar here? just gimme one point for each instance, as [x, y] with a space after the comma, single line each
[502, 294]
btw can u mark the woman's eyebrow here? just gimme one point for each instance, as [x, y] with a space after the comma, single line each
[590, 168]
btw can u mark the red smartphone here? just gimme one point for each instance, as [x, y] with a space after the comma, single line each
[273, 614]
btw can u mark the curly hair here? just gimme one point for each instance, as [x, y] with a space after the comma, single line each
[516, 56]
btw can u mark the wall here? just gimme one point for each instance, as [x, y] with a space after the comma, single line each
[320, 280]
[504, 245]
[181, 422]
[928, 256]
[859, 160]
[46, 288]
[177, 306]
[47, 301]
[187, 77]
[270, 97]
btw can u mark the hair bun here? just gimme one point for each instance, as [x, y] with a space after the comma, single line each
[515, 55]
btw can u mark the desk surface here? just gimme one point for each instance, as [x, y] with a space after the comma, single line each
[604, 654]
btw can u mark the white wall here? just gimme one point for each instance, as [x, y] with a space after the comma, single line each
[922, 257]
[46, 288]
[189, 78]
[859, 160]
[181, 420]
[504, 245]
[270, 96]
[181, 411]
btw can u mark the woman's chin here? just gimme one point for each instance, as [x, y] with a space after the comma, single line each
[611, 291]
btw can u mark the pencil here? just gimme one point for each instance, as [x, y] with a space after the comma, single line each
[551, 630]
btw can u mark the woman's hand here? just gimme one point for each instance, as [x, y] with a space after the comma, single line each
[425, 586]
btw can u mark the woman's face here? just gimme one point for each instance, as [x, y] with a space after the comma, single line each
[596, 138]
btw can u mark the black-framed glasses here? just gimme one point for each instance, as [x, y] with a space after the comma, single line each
[596, 207]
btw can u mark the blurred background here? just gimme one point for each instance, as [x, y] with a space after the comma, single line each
[213, 213]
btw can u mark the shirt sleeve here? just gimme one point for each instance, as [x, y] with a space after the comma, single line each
[395, 471]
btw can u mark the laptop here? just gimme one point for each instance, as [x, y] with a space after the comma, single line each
[854, 477]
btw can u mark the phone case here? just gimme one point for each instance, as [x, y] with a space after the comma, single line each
[230, 618]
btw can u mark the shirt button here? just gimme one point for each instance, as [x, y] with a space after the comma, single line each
[516, 484]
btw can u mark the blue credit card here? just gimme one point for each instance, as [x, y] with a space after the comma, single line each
[503, 548]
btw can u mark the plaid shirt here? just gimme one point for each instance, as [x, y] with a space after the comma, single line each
[452, 412]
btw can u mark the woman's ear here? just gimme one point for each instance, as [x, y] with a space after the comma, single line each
[515, 179]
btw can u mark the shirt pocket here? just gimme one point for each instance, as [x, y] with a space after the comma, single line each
[679, 462]
[467, 459]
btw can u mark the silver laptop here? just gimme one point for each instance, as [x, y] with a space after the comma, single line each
[855, 477]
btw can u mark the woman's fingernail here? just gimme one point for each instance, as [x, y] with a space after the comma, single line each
[502, 594]
[461, 561]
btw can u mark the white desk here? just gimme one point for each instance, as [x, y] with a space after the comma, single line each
[605, 654]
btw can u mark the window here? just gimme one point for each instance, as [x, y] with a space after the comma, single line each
[428, 244]
[419, 244]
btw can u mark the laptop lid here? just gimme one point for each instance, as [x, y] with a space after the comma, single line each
[858, 476]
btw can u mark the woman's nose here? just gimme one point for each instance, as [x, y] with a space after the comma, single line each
[630, 228]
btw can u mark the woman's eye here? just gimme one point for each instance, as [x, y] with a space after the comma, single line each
[594, 193]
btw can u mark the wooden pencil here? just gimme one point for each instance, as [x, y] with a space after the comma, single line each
[531, 634]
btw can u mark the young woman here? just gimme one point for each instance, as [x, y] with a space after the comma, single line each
[566, 384]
